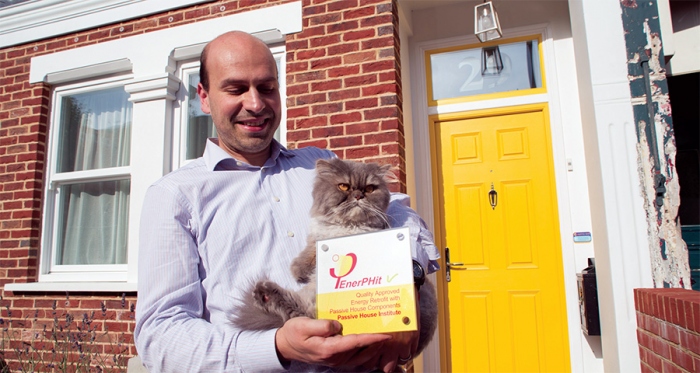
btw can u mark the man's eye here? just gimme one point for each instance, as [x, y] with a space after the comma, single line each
[267, 90]
[344, 187]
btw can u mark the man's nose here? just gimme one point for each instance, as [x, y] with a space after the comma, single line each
[252, 101]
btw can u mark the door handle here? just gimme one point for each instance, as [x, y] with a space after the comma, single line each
[450, 266]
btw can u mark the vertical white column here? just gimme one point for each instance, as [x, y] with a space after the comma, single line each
[151, 143]
[617, 208]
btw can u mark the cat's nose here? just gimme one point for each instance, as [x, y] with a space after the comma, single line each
[358, 195]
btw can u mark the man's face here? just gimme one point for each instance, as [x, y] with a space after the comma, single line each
[243, 96]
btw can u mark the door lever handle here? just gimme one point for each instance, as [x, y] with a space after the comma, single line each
[450, 266]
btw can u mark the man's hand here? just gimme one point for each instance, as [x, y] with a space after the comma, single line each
[320, 342]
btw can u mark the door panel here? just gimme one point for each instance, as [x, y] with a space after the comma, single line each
[506, 304]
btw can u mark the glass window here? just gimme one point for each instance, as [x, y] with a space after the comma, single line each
[90, 184]
[476, 71]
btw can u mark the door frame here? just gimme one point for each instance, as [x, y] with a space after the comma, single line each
[436, 357]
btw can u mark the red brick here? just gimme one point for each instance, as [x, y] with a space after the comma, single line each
[327, 85]
[696, 316]
[345, 118]
[341, 5]
[377, 20]
[298, 135]
[388, 112]
[313, 98]
[682, 359]
[343, 71]
[324, 63]
[359, 13]
[328, 131]
[343, 48]
[362, 80]
[359, 57]
[690, 341]
[324, 41]
[346, 141]
[356, 153]
[326, 108]
[359, 128]
[310, 122]
[359, 35]
[669, 367]
[379, 89]
[342, 26]
[669, 332]
[310, 54]
[653, 360]
[323, 144]
[688, 311]
[344, 94]
[363, 103]
[660, 347]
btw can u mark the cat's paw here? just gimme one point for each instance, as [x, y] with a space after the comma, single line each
[265, 292]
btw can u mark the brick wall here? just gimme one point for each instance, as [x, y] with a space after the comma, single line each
[344, 83]
[668, 329]
[343, 89]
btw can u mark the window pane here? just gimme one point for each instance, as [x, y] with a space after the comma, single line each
[95, 130]
[199, 125]
[459, 73]
[93, 223]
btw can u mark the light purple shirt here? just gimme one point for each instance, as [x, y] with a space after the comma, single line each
[211, 228]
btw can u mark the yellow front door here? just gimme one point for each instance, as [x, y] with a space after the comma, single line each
[497, 199]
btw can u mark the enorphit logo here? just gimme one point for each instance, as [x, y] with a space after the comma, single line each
[345, 266]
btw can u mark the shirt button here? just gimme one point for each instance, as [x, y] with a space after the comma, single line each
[239, 164]
[276, 199]
[290, 233]
[262, 170]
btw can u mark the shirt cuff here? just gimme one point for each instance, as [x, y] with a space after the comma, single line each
[261, 353]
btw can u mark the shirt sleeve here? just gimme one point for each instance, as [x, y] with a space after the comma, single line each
[423, 246]
[172, 333]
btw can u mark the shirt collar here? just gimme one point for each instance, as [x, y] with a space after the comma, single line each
[218, 159]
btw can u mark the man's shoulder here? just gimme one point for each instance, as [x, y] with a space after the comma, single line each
[192, 172]
[309, 154]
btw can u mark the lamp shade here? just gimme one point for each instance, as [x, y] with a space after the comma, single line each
[486, 25]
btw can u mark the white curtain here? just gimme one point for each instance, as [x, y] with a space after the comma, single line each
[96, 133]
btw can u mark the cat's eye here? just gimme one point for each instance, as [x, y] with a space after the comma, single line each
[369, 189]
[344, 187]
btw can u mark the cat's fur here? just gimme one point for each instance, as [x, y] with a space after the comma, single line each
[335, 212]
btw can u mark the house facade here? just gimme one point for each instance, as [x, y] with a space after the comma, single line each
[526, 155]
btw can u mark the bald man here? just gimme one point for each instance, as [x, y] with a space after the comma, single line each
[239, 212]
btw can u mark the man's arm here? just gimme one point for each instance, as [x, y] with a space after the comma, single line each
[170, 334]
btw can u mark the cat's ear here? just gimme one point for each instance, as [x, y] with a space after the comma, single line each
[324, 166]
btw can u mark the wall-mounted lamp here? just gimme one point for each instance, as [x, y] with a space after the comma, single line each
[486, 25]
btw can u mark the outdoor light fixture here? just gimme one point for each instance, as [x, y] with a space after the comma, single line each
[491, 62]
[486, 26]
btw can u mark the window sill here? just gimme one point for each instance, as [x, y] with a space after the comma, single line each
[117, 287]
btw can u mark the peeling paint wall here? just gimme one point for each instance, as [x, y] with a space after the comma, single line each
[656, 147]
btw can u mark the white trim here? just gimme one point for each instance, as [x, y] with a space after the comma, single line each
[121, 287]
[150, 52]
[101, 174]
[41, 19]
[101, 69]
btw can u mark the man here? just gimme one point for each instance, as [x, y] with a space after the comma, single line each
[240, 212]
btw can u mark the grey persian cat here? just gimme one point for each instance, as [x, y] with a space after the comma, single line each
[348, 198]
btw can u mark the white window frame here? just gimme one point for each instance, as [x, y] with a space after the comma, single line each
[150, 75]
[189, 67]
[49, 270]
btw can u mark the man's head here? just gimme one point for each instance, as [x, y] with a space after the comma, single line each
[239, 89]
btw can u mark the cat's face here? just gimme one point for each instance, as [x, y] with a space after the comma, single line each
[351, 193]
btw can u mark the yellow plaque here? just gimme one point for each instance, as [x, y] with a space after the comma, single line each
[365, 281]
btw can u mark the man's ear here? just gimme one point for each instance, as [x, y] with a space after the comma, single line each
[203, 98]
